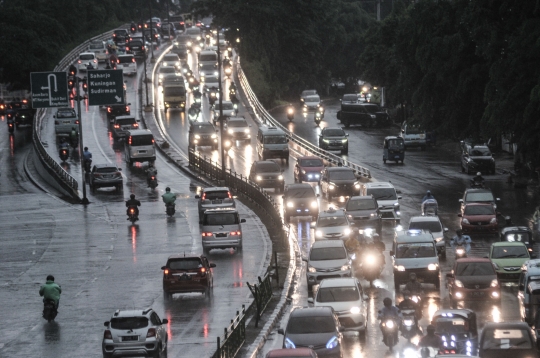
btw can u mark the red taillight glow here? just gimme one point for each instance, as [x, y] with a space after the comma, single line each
[181, 22]
[117, 61]
[203, 196]
[152, 140]
[153, 178]
[229, 194]
[203, 270]
[205, 234]
[79, 61]
[127, 48]
[135, 125]
[109, 109]
[127, 108]
[77, 122]
[236, 233]
[129, 141]
[116, 126]
[133, 59]
[107, 334]
[151, 332]
[132, 211]
[166, 271]
[142, 47]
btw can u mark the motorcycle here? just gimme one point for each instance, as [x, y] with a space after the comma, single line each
[290, 113]
[409, 327]
[87, 165]
[212, 97]
[197, 95]
[229, 52]
[74, 142]
[64, 154]
[228, 71]
[133, 214]
[318, 118]
[389, 328]
[152, 182]
[170, 209]
[477, 184]
[49, 310]
[11, 126]
[460, 252]
[372, 265]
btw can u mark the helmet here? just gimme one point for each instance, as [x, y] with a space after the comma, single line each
[406, 294]
[479, 173]
[412, 276]
[167, 189]
[431, 328]
[376, 237]
[50, 278]
[387, 302]
[85, 149]
[459, 232]
[132, 196]
[428, 192]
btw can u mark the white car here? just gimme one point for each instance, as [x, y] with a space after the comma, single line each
[209, 82]
[346, 297]
[85, 59]
[171, 59]
[327, 259]
[433, 224]
[229, 110]
[333, 225]
[312, 102]
[310, 92]
[100, 49]
[127, 64]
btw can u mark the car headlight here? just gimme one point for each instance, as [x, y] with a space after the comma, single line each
[493, 221]
[345, 267]
[189, 43]
[318, 233]
[289, 344]
[197, 136]
[177, 63]
[465, 221]
[495, 265]
[438, 239]
[494, 283]
[213, 136]
[312, 269]
[432, 267]
[396, 204]
[347, 231]
[303, 171]
[369, 259]
[160, 76]
[345, 140]
[331, 187]
[373, 116]
[280, 177]
[458, 283]
[258, 178]
[230, 131]
[355, 310]
[399, 268]
[332, 343]
[290, 204]
[357, 185]
[314, 204]
[215, 73]
[198, 38]
[326, 140]
[246, 130]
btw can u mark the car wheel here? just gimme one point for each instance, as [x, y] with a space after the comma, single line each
[384, 161]
[157, 354]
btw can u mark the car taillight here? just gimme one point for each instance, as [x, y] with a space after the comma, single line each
[107, 334]
[113, 35]
[235, 233]
[206, 234]
[229, 194]
[116, 126]
[95, 61]
[166, 272]
[152, 140]
[203, 196]
[127, 108]
[127, 48]
[142, 48]
[117, 61]
[135, 125]
[129, 141]
[151, 333]
[79, 61]
[181, 22]
[77, 122]
[109, 109]
[203, 270]
[133, 59]
[153, 178]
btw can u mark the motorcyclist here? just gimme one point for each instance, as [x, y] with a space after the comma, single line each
[51, 291]
[352, 244]
[72, 70]
[431, 339]
[478, 179]
[63, 144]
[389, 311]
[151, 171]
[232, 86]
[461, 240]
[87, 155]
[74, 135]
[168, 197]
[409, 304]
[132, 202]
[413, 285]
[428, 196]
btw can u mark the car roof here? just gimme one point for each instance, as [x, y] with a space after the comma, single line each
[135, 132]
[418, 218]
[216, 188]
[478, 204]
[225, 102]
[339, 169]
[312, 311]
[361, 197]
[379, 185]
[508, 243]
[125, 117]
[332, 212]
[515, 228]
[478, 190]
[170, 55]
[270, 130]
[308, 157]
[326, 128]
[237, 118]
[514, 324]
[461, 312]
[201, 124]
[299, 186]
[473, 259]
[131, 313]
[286, 352]
[413, 236]
[220, 211]
[327, 243]
[532, 265]
[105, 165]
[183, 256]
[338, 282]
[259, 162]
[392, 137]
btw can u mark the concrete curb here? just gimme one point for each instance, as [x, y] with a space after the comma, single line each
[30, 175]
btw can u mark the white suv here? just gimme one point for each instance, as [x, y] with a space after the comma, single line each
[433, 224]
[135, 333]
[387, 198]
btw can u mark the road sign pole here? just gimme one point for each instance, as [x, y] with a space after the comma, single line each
[221, 118]
[81, 145]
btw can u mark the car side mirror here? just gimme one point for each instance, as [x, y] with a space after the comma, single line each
[242, 220]
[392, 252]
[119, 169]
[459, 215]
[398, 191]
[164, 321]
[346, 134]
[281, 331]
[163, 267]
[403, 131]
[461, 201]
[445, 229]
[212, 265]
[399, 197]
[197, 196]
[106, 323]
[310, 300]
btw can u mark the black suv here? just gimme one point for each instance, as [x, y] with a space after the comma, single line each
[476, 158]
[203, 134]
[120, 36]
[115, 110]
[136, 47]
[333, 138]
[339, 181]
[300, 200]
[365, 114]
[24, 117]
[267, 174]
[364, 211]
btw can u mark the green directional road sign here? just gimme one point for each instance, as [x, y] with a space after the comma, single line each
[105, 87]
[49, 89]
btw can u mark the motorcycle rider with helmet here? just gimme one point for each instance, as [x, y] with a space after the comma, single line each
[478, 179]
[389, 311]
[87, 156]
[431, 339]
[409, 304]
[132, 202]
[168, 197]
[428, 196]
[413, 285]
[151, 171]
[461, 240]
[51, 291]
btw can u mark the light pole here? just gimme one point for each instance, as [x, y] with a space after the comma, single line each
[81, 146]
[221, 118]
[151, 33]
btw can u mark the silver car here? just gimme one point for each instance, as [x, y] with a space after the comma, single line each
[333, 225]
[433, 224]
[229, 110]
[215, 198]
[221, 229]
[135, 333]
[238, 129]
[327, 259]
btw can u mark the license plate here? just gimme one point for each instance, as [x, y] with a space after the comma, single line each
[477, 293]
[185, 278]
[142, 152]
[397, 156]
[126, 64]
[130, 338]
[66, 122]
[126, 127]
[217, 201]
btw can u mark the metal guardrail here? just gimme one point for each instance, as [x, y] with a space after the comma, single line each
[62, 177]
[262, 292]
[234, 337]
[264, 117]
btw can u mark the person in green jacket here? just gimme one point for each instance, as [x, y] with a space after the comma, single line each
[51, 291]
[168, 197]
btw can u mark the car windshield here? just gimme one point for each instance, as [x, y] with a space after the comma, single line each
[174, 91]
[275, 139]
[433, 226]
[215, 219]
[338, 294]
[480, 152]
[208, 57]
[167, 69]
[211, 79]
[185, 264]
[136, 43]
[450, 325]
[479, 197]
[361, 204]
[203, 128]
[517, 236]
[505, 252]
[341, 175]
[270, 167]
[310, 163]
[328, 253]
[237, 123]
[125, 323]
[308, 93]
[225, 106]
[126, 59]
[300, 193]
[107, 170]
[371, 108]
[415, 250]
[512, 338]
[330, 221]
[66, 114]
[216, 195]
[193, 31]
[313, 99]
[141, 140]
[208, 67]
[479, 210]
[96, 46]
[334, 133]
[86, 57]
[392, 143]
[414, 130]
[170, 58]
[474, 269]
[382, 193]
[350, 98]
[311, 325]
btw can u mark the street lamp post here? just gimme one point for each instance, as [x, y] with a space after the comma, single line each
[221, 118]
[81, 145]
[151, 33]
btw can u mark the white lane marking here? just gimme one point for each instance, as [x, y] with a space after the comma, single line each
[96, 139]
